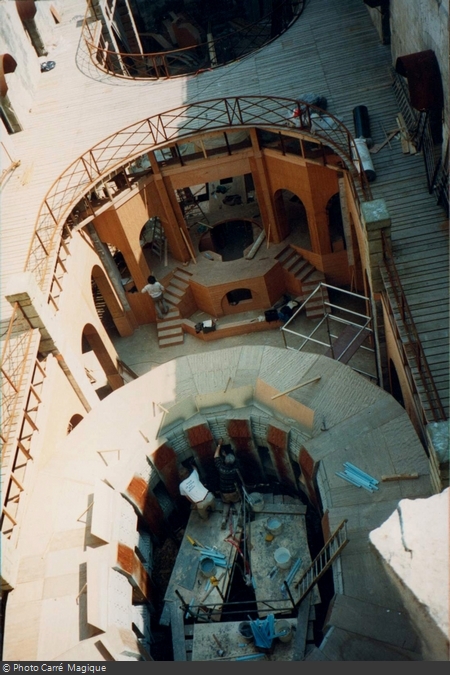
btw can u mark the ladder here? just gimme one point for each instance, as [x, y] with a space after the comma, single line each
[159, 241]
[190, 205]
[323, 560]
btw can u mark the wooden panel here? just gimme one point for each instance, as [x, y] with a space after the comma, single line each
[140, 495]
[165, 462]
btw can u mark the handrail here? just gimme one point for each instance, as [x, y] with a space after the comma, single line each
[126, 145]
[189, 60]
[121, 148]
[414, 342]
[13, 366]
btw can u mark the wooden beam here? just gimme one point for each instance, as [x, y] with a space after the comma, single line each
[298, 386]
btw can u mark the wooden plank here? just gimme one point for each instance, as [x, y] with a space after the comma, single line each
[302, 629]
[177, 628]
[293, 509]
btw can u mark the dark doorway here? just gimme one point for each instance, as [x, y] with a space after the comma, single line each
[229, 239]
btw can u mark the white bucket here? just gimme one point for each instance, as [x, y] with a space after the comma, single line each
[256, 501]
[282, 558]
[284, 627]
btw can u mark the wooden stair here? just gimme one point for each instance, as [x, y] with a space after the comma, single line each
[170, 331]
[307, 276]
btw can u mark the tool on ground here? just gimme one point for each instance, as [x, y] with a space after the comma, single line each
[220, 651]
[272, 572]
[290, 577]
[213, 582]
[194, 542]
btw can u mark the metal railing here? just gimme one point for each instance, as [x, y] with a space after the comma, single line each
[128, 144]
[48, 248]
[411, 346]
[212, 53]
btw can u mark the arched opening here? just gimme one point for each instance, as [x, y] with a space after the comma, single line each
[394, 384]
[99, 366]
[74, 420]
[240, 300]
[153, 241]
[292, 218]
[335, 223]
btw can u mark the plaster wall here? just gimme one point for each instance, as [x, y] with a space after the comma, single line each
[417, 25]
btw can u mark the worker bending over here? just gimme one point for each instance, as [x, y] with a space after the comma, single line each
[193, 489]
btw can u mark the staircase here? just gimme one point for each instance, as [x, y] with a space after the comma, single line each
[169, 329]
[303, 278]
[335, 544]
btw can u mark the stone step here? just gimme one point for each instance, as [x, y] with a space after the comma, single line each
[301, 265]
[179, 283]
[172, 314]
[168, 323]
[174, 290]
[169, 342]
[291, 262]
[285, 255]
[184, 275]
[309, 275]
[171, 298]
[170, 332]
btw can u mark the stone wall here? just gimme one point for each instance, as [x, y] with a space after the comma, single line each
[417, 25]
[14, 40]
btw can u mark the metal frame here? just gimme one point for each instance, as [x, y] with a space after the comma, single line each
[115, 152]
[411, 347]
[179, 62]
[328, 316]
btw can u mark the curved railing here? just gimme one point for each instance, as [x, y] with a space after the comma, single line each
[154, 132]
[212, 53]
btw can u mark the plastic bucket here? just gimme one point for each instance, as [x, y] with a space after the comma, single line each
[282, 558]
[283, 630]
[256, 501]
[208, 567]
[274, 525]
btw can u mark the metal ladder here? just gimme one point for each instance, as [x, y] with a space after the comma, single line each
[190, 205]
[159, 241]
[323, 560]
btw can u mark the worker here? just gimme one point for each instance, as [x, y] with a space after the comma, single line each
[193, 489]
[156, 292]
[228, 480]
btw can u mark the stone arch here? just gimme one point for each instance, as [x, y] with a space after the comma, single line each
[91, 341]
[292, 217]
